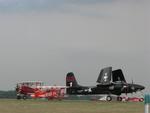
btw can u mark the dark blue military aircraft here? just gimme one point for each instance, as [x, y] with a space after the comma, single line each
[109, 82]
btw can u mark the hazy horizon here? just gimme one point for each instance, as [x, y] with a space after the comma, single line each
[44, 39]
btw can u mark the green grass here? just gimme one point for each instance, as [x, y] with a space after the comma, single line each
[64, 106]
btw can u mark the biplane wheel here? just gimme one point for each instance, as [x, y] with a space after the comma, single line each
[18, 97]
[24, 97]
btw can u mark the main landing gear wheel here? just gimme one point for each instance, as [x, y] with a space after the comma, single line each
[119, 98]
[18, 97]
[141, 99]
[108, 98]
[24, 97]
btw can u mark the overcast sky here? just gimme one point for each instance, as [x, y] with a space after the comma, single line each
[45, 39]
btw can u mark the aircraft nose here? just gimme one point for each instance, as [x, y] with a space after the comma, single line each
[142, 87]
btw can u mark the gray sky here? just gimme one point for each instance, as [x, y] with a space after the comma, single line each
[45, 39]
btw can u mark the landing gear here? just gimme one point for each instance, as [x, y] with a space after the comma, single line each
[119, 98]
[108, 98]
[141, 99]
[18, 97]
[24, 97]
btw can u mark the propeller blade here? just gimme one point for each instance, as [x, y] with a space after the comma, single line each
[132, 81]
[132, 86]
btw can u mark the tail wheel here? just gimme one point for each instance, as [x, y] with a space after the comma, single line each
[108, 98]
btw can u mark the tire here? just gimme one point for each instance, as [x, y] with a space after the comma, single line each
[18, 97]
[141, 99]
[109, 98]
[119, 98]
[24, 97]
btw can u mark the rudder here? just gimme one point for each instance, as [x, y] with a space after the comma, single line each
[71, 80]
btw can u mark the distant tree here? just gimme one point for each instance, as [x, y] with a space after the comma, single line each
[8, 94]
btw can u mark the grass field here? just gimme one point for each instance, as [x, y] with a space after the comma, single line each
[64, 106]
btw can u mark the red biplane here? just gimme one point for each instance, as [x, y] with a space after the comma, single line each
[38, 90]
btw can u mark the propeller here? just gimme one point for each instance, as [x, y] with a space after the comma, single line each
[125, 88]
[132, 86]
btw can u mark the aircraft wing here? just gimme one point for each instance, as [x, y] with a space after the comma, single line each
[117, 75]
[105, 76]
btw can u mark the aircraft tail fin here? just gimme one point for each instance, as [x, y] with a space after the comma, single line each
[105, 76]
[71, 80]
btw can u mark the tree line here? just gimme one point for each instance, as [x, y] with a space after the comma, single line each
[8, 94]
